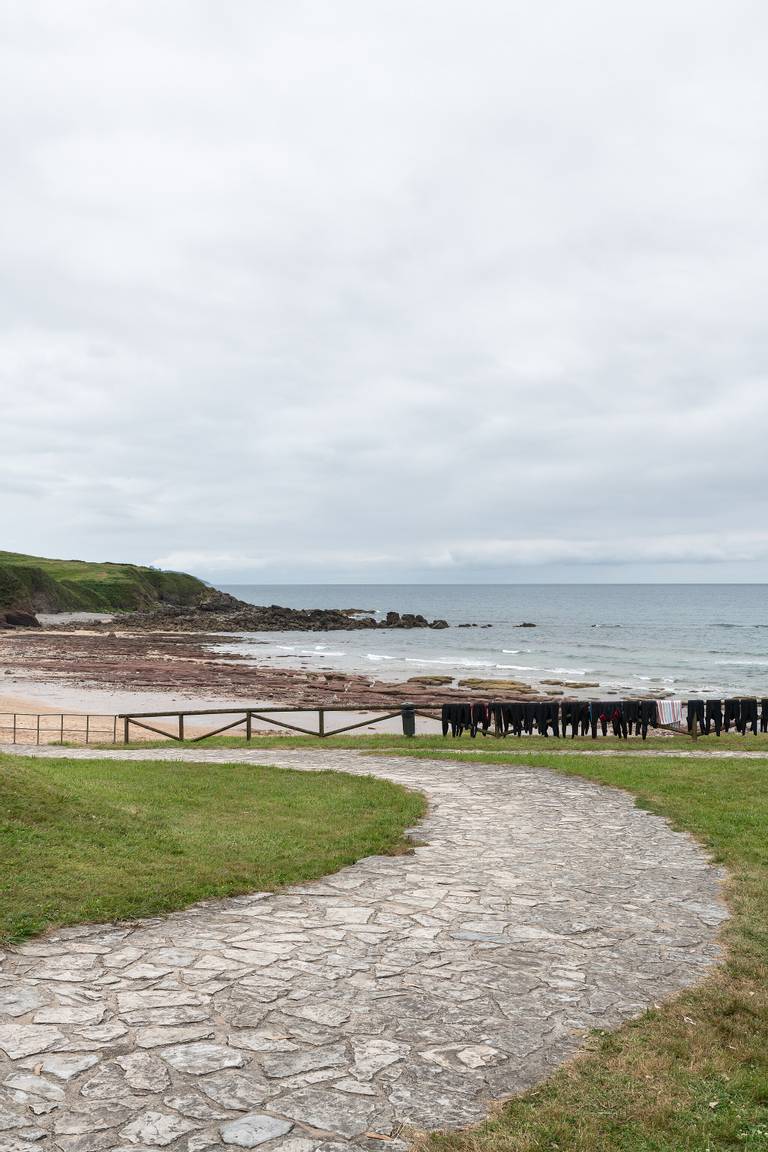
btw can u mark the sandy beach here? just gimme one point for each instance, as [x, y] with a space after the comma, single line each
[53, 673]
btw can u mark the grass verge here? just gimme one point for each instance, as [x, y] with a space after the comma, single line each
[385, 742]
[693, 1074]
[102, 840]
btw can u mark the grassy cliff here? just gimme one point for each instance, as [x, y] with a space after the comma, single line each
[35, 584]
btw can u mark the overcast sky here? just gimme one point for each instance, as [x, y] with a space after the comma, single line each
[375, 290]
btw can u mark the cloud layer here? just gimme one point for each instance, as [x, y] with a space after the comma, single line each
[386, 291]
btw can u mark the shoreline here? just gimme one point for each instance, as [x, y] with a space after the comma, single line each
[84, 671]
[50, 672]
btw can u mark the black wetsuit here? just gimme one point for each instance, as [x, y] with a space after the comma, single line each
[696, 712]
[714, 715]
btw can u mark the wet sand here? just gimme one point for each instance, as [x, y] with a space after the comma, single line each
[181, 670]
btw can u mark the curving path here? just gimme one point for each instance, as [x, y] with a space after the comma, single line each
[400, 993]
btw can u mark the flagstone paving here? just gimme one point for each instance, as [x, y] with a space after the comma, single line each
[401, 993]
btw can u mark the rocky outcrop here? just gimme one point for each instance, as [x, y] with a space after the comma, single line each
[221, 612]
[18, 620]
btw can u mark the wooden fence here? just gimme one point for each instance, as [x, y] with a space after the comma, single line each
[58, 728]
[275, 716]
[102, 728]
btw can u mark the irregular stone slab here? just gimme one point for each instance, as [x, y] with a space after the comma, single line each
[143, 1072]
[195, 1107]
[254, 1129]
[89, 1142]
[90, 1119]
[324, 1013]
[157, 1017]
[201, 1057]
[145, 999]
[34, 1086]
[62, 1066]
[70, 1014]
[372, 1055]
[18, 1040]
[93, 1039]
[327, 1110]
[169, 1034]
[291, 1063]
[19, 998]
[12, 1120]
[240, 1091]
[356, 1087]
[107, 1083]
[10, 1143]
[156, 1129]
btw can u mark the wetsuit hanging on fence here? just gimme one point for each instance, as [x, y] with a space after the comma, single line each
[713, 715]
[748, 716]
[696, 712]
[732, 715]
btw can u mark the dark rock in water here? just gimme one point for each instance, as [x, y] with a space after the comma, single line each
[525, 624]
[19, 620]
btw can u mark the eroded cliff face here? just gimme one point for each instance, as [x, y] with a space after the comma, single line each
[37, 584]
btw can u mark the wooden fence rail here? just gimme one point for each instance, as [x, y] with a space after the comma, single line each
[102, 728]
[58, 727]
[244, 717]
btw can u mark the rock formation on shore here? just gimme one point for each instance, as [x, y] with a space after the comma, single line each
[220, 612]
[18, 620]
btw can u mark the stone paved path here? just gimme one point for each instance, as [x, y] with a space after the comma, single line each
[400, 993]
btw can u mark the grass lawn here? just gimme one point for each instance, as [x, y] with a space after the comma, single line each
[692, 1075]
[101, 840]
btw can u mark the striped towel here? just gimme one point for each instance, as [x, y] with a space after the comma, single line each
[670, 711]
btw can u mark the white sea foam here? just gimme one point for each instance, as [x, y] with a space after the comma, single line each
[376, 656]
[455, 663]
[754, 663]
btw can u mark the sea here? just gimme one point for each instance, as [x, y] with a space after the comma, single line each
[661, 639]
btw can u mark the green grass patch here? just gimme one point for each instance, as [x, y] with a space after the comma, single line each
[36, 583]
[510, 746]
[102, 840]
[693, 1074]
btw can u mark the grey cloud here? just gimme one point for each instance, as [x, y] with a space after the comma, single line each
[382, 291]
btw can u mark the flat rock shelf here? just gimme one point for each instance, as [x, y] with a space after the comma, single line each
[400, 994]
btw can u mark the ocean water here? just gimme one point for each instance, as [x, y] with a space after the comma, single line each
[664, 639]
